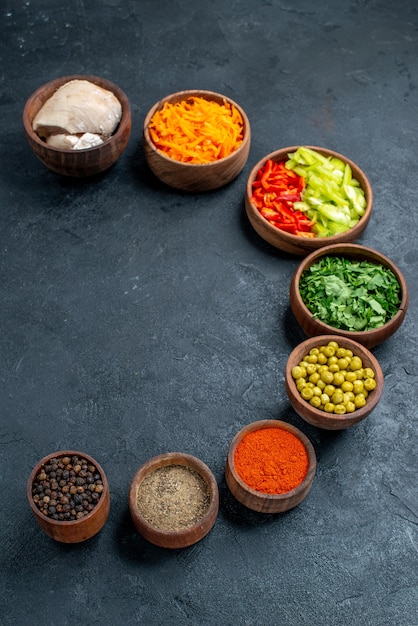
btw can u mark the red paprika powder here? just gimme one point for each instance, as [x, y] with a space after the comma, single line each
[271, 460]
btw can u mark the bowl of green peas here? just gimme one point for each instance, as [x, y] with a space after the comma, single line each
[333, 382]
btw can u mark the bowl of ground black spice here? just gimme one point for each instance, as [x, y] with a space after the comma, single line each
[270, 466]
[174, 500]
[69, 496]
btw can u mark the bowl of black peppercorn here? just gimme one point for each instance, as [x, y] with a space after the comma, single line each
[69, 496]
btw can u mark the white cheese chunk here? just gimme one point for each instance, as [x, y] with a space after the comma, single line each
[79, 107]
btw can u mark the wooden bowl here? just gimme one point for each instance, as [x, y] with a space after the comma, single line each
[318, 417]
[293, 243]
[77, 163]
[80, 529]
[257, 500]
[312, 326]
[187, 535]
[191, 176]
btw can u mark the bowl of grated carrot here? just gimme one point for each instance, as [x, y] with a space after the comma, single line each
[196, 140]
[302, 198]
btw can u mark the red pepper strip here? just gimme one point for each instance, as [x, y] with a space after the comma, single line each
[275, 189]
[270, 214]
[288, 197]
[289, 228]
[309, 235]
[259, 199]
[284, 210]
[306, 228]
[282, 217]
[266, 174]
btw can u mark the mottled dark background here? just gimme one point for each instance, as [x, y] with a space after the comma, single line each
[136, 320]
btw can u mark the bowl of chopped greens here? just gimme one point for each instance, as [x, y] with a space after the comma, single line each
[196, 140]
[349, 290]
[302, 198]
[333, 382]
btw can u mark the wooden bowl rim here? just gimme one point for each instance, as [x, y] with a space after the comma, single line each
[177, 96]
[357, 250]
[271, 423]
[174, 458]
[281, 155]
[59, 82]
[58, 455]
[359, 350]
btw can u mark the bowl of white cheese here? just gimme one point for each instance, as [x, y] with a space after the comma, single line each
[78, 125]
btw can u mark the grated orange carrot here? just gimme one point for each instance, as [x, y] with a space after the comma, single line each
[197, 130]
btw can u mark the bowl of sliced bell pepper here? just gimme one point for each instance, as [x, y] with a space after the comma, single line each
[302, 198]
[196, 140]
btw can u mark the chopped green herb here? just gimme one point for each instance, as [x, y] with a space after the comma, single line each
[350, 294]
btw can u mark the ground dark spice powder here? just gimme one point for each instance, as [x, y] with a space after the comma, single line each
[173, 497]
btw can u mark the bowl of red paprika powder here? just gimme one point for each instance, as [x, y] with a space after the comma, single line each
[283, 208]
[270, 466]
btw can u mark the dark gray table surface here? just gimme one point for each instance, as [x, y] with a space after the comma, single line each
[136, 319]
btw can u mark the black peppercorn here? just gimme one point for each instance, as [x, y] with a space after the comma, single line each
[63, 477]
